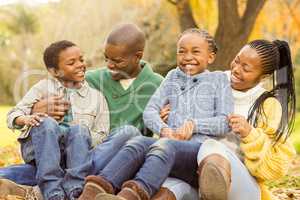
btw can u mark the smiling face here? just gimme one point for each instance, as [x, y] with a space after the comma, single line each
[121, 63]
[246, 69]
[193, 54]
[71, 66]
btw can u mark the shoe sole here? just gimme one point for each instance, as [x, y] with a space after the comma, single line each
[104, 196]
[212, 185]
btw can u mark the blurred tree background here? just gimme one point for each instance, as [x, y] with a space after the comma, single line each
[25, 30]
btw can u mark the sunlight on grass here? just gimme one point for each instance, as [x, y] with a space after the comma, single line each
[7, 137]
[296, 134]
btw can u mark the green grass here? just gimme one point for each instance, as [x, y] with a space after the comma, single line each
[7, 137]
[296, 134]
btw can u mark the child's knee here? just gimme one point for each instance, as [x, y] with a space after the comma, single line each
[48, 125]
[128, 130]
[162, 147]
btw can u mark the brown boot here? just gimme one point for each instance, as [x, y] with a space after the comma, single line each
[10, 188]
[95, 185]
[164, 194]
[214, 177]
[130, 191]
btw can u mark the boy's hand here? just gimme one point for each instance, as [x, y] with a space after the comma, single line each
[185, 132]
[54, 106]
[239, 125]
[164, 113]
[30, 120]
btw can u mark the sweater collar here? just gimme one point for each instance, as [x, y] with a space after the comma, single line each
[144, 74]
[185, 76]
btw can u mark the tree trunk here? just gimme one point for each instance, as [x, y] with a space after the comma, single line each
[233, 30]
[186, 18]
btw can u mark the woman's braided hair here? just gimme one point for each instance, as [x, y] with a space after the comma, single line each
[275, 58]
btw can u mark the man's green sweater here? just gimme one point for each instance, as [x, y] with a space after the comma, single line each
[126, 106]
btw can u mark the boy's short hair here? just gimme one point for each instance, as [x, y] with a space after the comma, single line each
[51, 53]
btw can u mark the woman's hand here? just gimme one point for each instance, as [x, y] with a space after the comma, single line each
[239, 125]
[54, 106]
[164, 113]
[30, 120]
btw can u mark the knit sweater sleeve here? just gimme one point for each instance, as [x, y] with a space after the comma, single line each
[151, 114]
[263, 159]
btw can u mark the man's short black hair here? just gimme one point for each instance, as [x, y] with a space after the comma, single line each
[128, 35]
[51, 53]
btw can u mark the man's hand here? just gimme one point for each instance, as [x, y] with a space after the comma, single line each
[54, 106]
[164, 113]
[30, 120]
[239, 125]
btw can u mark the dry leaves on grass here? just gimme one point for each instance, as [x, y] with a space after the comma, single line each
[288, 187]
[10, 155]
[12, 197]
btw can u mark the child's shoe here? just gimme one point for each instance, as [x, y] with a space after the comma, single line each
[95, 185]
[130, 191]
[10, 188]
[164, 194]
[214, 177]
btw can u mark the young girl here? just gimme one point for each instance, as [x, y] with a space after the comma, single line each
[263, 122]
[200, 101]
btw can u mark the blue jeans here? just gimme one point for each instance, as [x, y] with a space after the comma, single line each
[99, 157]
[151, 161]
[48, 143]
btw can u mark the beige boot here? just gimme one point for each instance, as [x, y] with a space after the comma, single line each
[164, 194]
[130, 191]
[214, 177]
[93, 186]
[10, 188]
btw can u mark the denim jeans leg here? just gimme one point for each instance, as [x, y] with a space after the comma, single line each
[168, 156]
[45, 140]
[104, 152]
[23, 174]
[77, 146]
[185, 165]
[127, 161]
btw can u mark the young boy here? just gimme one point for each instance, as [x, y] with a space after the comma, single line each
[57, 147]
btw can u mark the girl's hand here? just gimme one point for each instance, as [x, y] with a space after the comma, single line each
[239, 125]
[171, 134]
[167, 132]
[164, 113]
[30, 120]
[185, 132]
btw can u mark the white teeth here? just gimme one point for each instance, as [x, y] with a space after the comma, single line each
[189, 66]
[235, 79]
